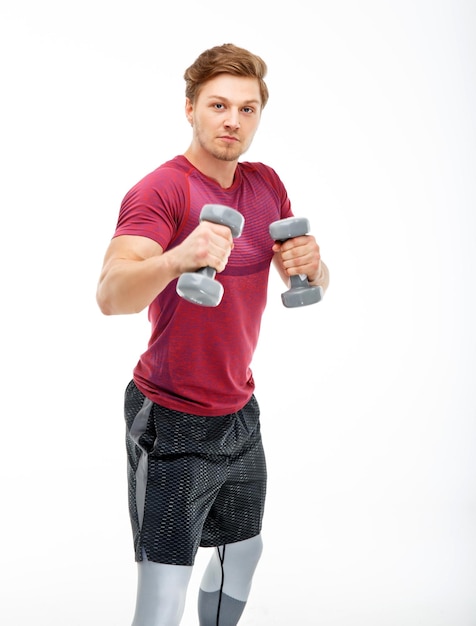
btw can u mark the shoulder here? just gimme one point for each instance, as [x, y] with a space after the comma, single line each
[168, 181]
[173, 171]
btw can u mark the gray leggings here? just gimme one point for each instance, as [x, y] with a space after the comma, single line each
[224, 590]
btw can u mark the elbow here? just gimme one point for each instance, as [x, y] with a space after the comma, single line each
[104, 306]
[106, 311]
[109, 306]
[104, 303]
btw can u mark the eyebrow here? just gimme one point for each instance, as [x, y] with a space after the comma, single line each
[246, 102]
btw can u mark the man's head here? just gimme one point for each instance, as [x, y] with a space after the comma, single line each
[225, 59]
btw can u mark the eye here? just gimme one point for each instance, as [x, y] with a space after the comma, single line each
[219, 106]
[248, 110]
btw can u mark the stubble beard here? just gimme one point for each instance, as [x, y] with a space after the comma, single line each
[227, 153]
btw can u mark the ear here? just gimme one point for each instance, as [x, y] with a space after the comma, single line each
[189, 110]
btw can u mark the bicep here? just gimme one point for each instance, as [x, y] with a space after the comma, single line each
[132, 248]
[126, 248]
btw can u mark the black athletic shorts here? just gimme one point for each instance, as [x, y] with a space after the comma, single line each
[193, 481]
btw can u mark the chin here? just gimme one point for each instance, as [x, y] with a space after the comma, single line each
[227, 155]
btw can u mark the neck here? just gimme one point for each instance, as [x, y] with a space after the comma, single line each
[221, 171]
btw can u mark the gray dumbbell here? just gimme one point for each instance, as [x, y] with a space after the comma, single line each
[301, 292]
[200, 287]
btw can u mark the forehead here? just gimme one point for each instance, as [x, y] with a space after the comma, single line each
[236, 89]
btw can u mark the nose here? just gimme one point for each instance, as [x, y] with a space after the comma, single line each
[233, 119]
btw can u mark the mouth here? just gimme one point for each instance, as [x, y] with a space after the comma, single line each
[228, 139]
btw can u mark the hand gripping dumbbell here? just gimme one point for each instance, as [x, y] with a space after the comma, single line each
[200, 287]
[301, 292]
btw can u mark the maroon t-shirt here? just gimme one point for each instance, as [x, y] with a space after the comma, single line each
[198, 358]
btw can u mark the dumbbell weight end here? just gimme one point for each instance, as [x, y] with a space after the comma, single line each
[200, 287]
[301, 293]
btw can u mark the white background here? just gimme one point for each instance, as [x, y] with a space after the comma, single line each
[368, 398]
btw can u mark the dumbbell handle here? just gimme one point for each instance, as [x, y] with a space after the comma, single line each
[208, 271]
[200, 286]
[299, 280]
[221, 214]
[287, 229]
[301, 292]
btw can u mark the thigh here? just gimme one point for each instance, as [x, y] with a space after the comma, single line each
[176, 469]
[192, 480]
[180, 492]
[237, 512]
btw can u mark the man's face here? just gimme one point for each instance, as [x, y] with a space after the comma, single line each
[225, 115]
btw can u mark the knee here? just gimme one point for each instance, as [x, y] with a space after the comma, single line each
[245, 554]
[251, 549]
[161, 593]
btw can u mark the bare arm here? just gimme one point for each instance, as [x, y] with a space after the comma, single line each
[301, 255]
[136, 269]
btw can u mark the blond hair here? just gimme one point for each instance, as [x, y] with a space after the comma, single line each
[225, 59]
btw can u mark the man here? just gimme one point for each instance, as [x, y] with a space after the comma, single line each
[196, 466]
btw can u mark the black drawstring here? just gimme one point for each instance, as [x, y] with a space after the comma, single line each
[222, 559]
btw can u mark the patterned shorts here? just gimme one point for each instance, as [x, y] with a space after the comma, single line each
[193, 481]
